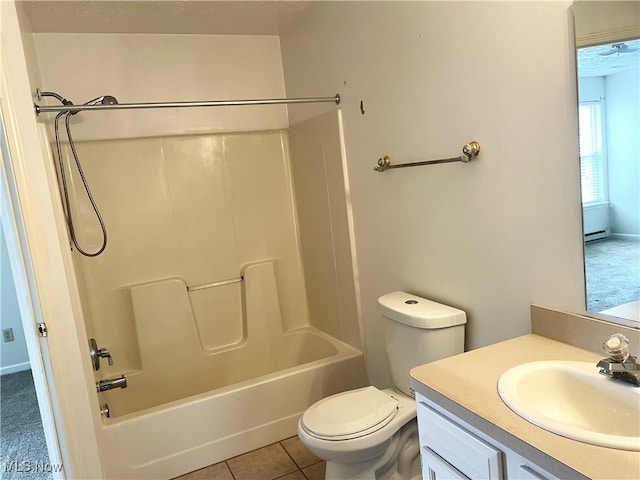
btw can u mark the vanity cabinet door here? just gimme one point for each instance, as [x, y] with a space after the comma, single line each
[461, 449]
[435, 468]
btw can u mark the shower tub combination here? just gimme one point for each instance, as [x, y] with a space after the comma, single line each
[201, 297]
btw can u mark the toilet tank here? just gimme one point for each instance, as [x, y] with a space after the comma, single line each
[418, 331]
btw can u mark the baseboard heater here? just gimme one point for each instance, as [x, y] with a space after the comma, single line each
[599, 235]
[595, 219]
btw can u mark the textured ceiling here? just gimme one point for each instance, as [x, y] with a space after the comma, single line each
[229, 18]
[164, 16]
[592, 62]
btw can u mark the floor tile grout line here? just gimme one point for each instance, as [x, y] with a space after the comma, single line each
[282, 476]
[290, 456]
[277, 443]
[317, 463]
[292, 459]
[230, 471]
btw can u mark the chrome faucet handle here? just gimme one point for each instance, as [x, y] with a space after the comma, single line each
[98, 353]
[104, 353]
[619, 364]
[616, 347]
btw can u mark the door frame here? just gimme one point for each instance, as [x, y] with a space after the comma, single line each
[48, 284]
[30, 315]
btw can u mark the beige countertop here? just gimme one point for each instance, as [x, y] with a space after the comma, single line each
[470, 381]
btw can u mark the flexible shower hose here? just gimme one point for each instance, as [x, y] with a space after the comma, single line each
[67, 205]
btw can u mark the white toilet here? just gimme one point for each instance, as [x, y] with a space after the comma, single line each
[372, 434]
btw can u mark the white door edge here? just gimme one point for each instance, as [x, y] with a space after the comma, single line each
[46, 264]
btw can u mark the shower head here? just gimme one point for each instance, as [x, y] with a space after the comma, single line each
[109, 100]
[103, 100]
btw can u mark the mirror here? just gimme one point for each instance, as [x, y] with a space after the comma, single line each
[608, 67]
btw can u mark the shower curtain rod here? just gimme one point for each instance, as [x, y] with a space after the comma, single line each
[214, 103]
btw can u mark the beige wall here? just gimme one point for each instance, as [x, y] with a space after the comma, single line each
[164, 68]
[599, 22]
[490, 237]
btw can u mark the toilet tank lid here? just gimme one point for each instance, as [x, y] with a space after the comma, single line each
[419, 312]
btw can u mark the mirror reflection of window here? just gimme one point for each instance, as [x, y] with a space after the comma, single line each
[592, 158]
[609, 129]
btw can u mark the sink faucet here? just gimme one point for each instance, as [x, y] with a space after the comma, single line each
[619, 364]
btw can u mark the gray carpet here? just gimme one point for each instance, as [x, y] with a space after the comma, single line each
[613, 272]
[23, 450]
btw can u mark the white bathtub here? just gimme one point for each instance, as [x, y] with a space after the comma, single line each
[181, 436]
[628, 313]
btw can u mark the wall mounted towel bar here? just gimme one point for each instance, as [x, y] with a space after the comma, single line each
[470, 151]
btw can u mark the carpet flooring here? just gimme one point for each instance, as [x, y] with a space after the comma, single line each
[23, 449]
[613, 272]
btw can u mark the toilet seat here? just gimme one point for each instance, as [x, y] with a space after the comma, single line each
[350, 414]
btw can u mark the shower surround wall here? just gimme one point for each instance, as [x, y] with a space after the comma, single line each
[192, 197]
[181, 213]
[197, 210]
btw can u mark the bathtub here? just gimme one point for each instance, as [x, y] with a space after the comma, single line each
[628, 313]
[177, 437]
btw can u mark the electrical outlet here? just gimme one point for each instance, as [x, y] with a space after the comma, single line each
[7, 334]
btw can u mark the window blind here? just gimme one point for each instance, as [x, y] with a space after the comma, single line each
[592, 168]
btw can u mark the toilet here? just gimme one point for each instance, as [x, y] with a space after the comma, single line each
[370, 433]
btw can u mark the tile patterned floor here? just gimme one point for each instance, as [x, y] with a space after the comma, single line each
[286, 460]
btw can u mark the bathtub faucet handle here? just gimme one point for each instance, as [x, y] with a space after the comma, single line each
[104, 353]
[98, 353]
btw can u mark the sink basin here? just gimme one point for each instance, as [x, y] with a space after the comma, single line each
[573, 400]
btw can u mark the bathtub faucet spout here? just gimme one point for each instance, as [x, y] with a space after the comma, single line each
[111, 383]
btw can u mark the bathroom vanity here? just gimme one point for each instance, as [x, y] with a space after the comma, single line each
[466, 431]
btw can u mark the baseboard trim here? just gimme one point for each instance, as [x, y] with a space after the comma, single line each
[626, 236]
[18, 367]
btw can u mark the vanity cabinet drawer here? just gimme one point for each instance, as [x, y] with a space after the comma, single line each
[519, 468]
[465, 452]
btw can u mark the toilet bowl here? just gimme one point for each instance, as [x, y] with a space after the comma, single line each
[369, 433]
[359, 431]
[353, 430]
